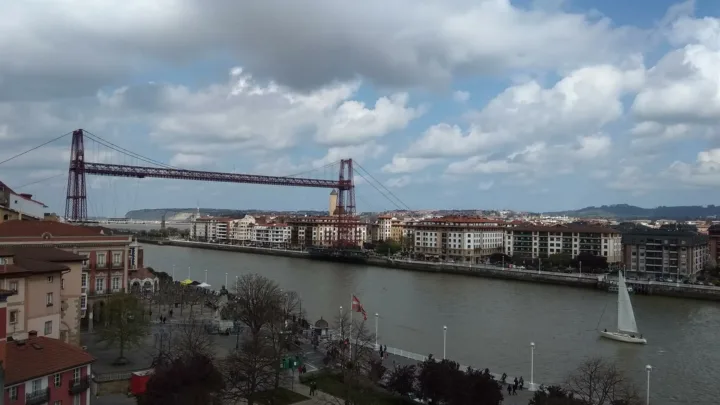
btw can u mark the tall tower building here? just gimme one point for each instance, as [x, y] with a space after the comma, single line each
[333, 202]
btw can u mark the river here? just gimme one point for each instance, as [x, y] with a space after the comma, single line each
[492, 322]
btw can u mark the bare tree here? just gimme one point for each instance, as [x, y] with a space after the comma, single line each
[258, 300]
[249, 370]
[600, 382]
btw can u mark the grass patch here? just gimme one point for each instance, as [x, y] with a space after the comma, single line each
[280, 396]
[332, 384]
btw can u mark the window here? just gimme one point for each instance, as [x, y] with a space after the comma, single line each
[12, 391]
[116, 258]
[13, 317]
[77, 399]
[86, 262]
[36, 385]
[3, 260]
[50, 279]
[76, 374]
[14, 286]
[116, 283]
[100, 285]
[58, 380]
[101, 259]
[84, 280]
[49, 299]
[48, 328]
[83, 302]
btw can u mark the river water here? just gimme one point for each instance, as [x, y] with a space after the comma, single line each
[492, 322]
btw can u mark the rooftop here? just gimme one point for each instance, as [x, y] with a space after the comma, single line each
[21, 195]
[579, 228]
[41, 229]
[40, 356]
[29, 260]
[460, 220]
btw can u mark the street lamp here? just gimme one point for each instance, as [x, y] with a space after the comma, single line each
[226, 285]
[444, 341]
[532, 367]
[173, 272]
[205, 276]
[376, 329]
[648, 368]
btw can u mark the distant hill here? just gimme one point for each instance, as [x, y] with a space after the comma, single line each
[625, 211]
[183, 214]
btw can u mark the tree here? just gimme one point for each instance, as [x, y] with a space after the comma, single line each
[600, 382]
[402, 379]
[126, 323]
[560, 260]
[480, 388]
[435, 380]
[388, 247]
[186, 380]
[590, 262]
[249, 370]
[500, 258]
[554, 395]
[258, 299]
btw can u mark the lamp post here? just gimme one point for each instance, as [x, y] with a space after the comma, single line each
[376, 329]
[444, 341]
[226, 284]
[648, 368]
[205, 276]
[173, 272]
[532, 367]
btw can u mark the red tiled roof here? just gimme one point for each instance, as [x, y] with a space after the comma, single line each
[40, 356]
[19, 228]
[46, 254]
[141, 273]
[462, 220]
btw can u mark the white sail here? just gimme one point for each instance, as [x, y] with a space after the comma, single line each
[626, 316]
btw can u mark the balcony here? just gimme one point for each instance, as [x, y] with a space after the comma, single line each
[38, 397]
[79, 386]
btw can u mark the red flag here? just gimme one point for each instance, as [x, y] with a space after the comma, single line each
[357, 307]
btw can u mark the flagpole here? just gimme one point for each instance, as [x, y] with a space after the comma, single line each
[352, 309]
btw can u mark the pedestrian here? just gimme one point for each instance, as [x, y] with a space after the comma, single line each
[522, 382]
[514, 390]
[509, 388]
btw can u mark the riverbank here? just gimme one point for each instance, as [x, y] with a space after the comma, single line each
[589, 281]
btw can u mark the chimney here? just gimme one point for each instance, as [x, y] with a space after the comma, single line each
[32, 334]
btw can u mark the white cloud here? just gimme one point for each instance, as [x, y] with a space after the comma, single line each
[308, 45]
[461, 96]
[582, 102]
[190, 161]
[360, 153]
[704, 172]
[399, 182]
[486, 185]
[402, 164]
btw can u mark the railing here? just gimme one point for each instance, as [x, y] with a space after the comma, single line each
[37, 397]
[79, 386]
[106, 377]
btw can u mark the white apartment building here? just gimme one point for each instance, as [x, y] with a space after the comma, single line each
[385, 223]
[460, 239]
[241, 230]
[570, 239]
[322, 231]
[272, 234]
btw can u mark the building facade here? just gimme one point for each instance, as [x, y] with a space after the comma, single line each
[665, 253]
[714, 245]
[570, 239]
[272, 234]
[19, 206]
[40, 370]
[385, 223]
[458, 239]
[322, 231]
[106, 265]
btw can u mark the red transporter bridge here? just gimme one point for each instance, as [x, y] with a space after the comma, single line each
[346, 221]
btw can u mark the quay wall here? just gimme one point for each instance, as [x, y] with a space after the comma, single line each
[571, 280]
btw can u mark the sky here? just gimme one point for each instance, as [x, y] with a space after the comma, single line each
[535, 105]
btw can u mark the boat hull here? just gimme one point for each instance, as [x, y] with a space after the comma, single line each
[623, 337]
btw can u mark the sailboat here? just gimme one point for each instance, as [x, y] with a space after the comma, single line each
[627, 330]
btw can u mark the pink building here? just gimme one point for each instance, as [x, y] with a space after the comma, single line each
[40, 370]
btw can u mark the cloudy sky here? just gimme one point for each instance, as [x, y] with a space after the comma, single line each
[534, 105]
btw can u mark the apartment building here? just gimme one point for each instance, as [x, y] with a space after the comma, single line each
[322, 231]
[40, 370]
[385, 223]
[714, 244]
[211, 229]
[272, 234]
[533, 241]
[46, 282]
[241, 231]
[19, 206]
[106, 264]
[459, 239]
[665, 252]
